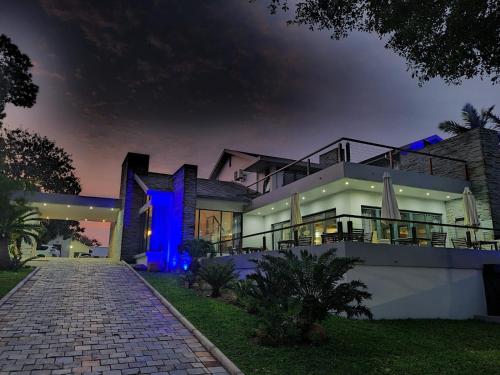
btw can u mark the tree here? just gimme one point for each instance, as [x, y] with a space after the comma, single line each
[471, 120]
[18, 222]
[452, 39]
[16, 84]
[38, 163]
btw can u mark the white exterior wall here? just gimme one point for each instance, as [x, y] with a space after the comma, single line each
[422, 293]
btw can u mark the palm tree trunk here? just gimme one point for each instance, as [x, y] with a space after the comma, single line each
[4, 253]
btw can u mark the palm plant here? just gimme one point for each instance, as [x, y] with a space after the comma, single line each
[471, 119]
[18, 223]
[218, 275]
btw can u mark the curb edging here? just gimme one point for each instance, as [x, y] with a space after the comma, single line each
[211, 348]
[18, 286]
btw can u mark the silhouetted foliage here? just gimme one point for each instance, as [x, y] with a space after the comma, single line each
[292, 294]
[472, 120]
[16, 84]
[452, 39]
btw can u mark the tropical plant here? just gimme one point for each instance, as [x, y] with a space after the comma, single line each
[471, 119]
[217, 275]
[18, 223]
[196, 249]
[293, 293]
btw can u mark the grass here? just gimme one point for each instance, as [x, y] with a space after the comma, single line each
[9, 279]
[355, 346]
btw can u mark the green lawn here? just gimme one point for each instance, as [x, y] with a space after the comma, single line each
[407, 347]
[9, 279]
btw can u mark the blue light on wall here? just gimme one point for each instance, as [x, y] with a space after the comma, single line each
[165, 235]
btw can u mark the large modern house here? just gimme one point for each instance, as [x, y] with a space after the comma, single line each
[244, 208]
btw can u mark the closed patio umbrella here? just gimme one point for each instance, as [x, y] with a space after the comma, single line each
[390, 208]
[295, 215]
[471, 217]
[470, 209]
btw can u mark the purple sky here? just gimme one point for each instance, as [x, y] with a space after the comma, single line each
[180, 80]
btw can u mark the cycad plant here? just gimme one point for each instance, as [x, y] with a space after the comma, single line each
[471, 119]
[292, 293]
[217, 275]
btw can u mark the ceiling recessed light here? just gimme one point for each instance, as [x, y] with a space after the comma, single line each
[272, 208]
[91, 208]
[68, 205]
[45, 204]
[303, 197]
[372, 187]
[286, 203]
[347, 182]
[47, 218]
[67, 218]
[324, 191]
[400, 190]
[448, 197]
[427, 194]
[258, 213]
[86, 219]
[70, 246]
[112, 209]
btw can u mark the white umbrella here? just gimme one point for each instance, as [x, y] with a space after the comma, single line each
[295, 215]
[470, 209]
[390, 208]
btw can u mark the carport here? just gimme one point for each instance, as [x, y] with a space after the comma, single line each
[54, 206]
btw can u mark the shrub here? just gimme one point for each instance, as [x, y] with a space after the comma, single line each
[292, 294]
[217, 275]
[195, 250]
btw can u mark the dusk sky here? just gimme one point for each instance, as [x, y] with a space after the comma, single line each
[181, 80]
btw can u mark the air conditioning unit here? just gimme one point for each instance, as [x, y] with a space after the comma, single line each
[239, 175]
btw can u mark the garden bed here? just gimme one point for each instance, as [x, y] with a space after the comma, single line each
[355, 346]
[9, 279]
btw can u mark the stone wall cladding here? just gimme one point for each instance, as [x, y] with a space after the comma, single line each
[184, 187]
[479, 148]
[133, 198]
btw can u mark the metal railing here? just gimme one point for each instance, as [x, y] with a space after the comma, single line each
[363, 152]
[368, 229]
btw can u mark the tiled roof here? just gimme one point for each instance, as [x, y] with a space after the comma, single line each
[157, 181]
[224, 190]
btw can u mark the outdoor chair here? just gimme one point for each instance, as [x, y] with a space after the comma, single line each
[460, 243]
[305, 241]
[359, 235]
[438, 239]
[330, 237]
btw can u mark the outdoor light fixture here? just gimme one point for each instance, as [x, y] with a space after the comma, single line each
[303, 197]
[68, 206]
[258, 213]
[272, 208]
[86, 220]
[112, 209]
[286, 203]
[400, 190]
[70, 246]
[67, 218]
[448, 196]
[149, 232]
[45, 204]
[347, 182]
[427, 194]
[91, 208]
[103, 220]
[47, 218]
[324, 191]
[372, 187]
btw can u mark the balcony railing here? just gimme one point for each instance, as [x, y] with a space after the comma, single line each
[367, 229]
[363, 152]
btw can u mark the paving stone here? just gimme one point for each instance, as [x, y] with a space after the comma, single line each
[92, 316]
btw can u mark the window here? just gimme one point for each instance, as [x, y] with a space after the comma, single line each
[324, 222]
[147, 229]
[429, 222]
[216, 226]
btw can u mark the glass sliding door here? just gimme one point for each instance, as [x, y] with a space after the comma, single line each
[216, 226]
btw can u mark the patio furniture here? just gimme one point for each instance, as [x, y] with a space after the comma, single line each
[330, 238]
[359, 235]
[479, 244]
[285, 244]
[305, 241]
[438, 239]
[460, 243]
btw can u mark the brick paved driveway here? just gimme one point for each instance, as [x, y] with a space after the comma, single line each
[94, 317]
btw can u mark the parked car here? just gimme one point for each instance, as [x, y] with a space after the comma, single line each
[99, 252]
[48, 251]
